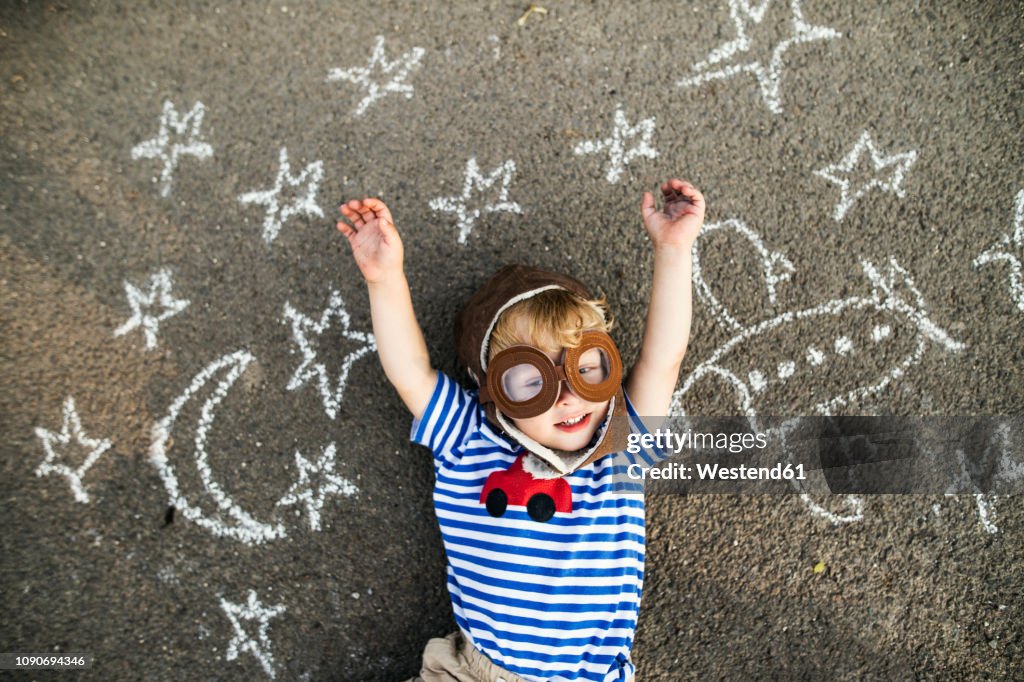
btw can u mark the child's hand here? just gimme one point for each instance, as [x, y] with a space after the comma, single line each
[374, 240]
[680, 221]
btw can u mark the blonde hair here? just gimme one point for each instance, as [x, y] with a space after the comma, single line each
[556, 319]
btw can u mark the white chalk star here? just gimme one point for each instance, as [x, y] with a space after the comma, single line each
[277, 215]
[70, 429]
[618, 155]
[161, 146]
[769, 77]
[840, 173]
[158, 291]
[305, 330]
[303, 489]
[397, 70]
[476, 182]
[1011, 249]
[242, 642]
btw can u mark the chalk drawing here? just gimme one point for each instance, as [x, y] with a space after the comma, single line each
[229, 520]
[475, 182]
[985, 506]
[986, 512]
[840, 173]
[242, 642]
[1010, 249]
[306, 492]
[277, 215]
[732, 58]
[775, 267]
[188, 141]
[1009, 470]
[615, 144]
[157, 292]
[306, 333]
[70, 431]
[380, 76]
[894, 300]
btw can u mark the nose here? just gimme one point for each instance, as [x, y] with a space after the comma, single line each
[565, 395]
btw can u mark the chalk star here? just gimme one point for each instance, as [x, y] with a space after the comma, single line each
[303, 330]
[840, 173]
[476, 182]
[618, 155]
[242, 642]
[1011, 249]
[277, 215]
[769, 77]
[70, 429]
[398, 70]
[303, 489]
[158, 291]
[161, 147]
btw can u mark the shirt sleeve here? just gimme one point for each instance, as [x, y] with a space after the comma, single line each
[451, 418]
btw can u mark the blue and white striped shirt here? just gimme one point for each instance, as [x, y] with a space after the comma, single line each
[547, 601]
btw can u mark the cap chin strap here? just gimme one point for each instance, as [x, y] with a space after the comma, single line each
[548, 462]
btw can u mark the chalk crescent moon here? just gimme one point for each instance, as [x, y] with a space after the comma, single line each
[233, 521]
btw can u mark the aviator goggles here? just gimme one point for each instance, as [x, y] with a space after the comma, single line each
[523, 381]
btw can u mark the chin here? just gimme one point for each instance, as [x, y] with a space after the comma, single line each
[572, 442]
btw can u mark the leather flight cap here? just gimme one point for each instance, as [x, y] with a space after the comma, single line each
[473, 327]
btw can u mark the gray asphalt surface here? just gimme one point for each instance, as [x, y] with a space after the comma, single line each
[920, 587]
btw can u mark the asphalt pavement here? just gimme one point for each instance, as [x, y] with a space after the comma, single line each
[205, 473]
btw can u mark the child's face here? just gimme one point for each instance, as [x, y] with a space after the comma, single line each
[550, 428]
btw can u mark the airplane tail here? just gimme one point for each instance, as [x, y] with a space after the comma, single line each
[895, 290]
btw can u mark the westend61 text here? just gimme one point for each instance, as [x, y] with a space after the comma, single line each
[715, 472]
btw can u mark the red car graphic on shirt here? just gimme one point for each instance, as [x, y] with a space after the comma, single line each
[542, 497]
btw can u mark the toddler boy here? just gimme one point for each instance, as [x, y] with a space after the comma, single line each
[545, 555]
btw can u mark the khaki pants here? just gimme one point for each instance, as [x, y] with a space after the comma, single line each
[453, 659]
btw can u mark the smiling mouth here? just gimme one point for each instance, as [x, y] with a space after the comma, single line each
[574, 424]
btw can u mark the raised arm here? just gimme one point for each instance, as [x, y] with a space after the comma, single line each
[673, 230]
[378, 251]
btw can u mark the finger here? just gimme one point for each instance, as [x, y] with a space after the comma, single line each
[647, 205]
[365, 212]
[354, 213]
[694, 195]
[346, 229]
[689, 191]
[347, 213]
[380, 208]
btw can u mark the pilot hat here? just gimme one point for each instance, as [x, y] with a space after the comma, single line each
[473, 327]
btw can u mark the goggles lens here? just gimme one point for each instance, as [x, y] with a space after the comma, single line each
[522, 382]
[594, 366]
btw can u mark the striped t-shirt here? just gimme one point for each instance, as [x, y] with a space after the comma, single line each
[548, 601]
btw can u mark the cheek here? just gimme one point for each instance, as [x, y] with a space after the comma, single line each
[533, 424]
